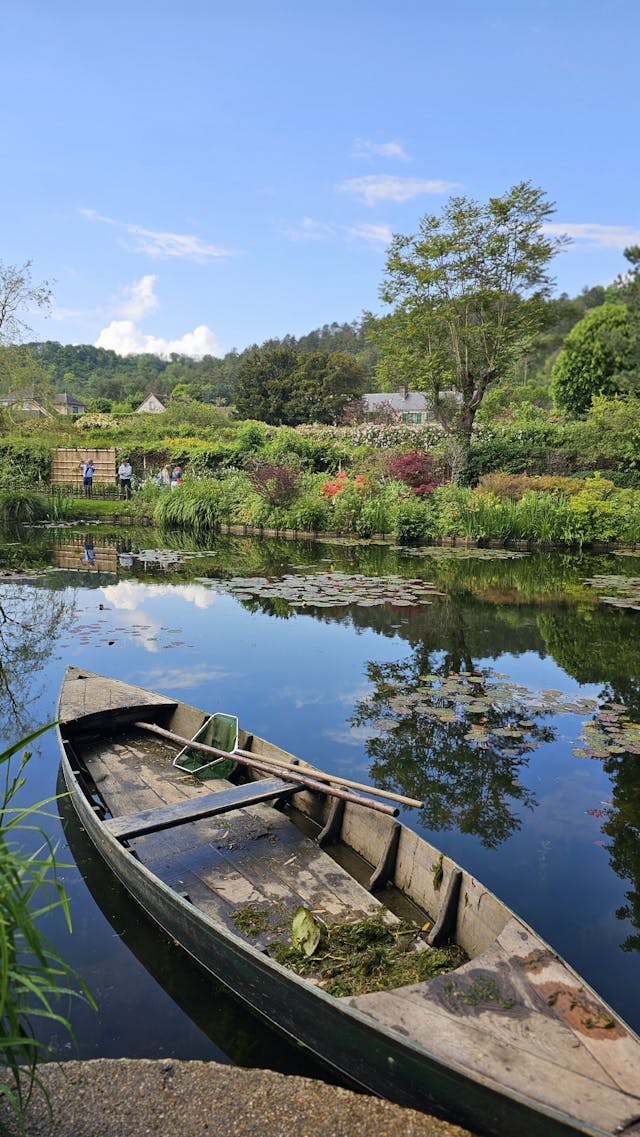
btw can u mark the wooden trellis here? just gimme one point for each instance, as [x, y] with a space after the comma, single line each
[66, 462]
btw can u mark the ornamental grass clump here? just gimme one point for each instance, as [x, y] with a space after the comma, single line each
[22, 507]
[194, 506]
[33, 976]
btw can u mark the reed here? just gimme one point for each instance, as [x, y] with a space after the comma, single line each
[33, 976]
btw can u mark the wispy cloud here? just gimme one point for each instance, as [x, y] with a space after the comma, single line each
[386, 187]
[139, 298]
[157, 243]
[596, 235]
[365, 148]
[310, 230]
[379, 235]
[126, 338]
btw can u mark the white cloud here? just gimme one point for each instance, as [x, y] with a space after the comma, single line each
[139, 299]
[596, 235]
[386, 187]
[310, 230]
[157, 243]
[365, 148]
[126, 338]
[379, 235]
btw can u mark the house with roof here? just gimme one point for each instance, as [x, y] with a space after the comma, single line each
[68, 405]
[23, 403]
[399, 406]
[151, 405]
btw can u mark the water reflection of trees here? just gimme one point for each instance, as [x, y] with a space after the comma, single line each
[432, 743]
[30, 621]
[603, 646]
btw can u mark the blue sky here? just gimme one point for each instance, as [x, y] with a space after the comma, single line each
[204, 175]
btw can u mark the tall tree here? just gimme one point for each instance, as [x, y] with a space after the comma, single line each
[468, 292]
[18, 295]
[286, 387]
[598, 358]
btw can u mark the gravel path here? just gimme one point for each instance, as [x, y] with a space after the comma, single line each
[125, 1098]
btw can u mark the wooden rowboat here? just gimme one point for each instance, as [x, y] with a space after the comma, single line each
[511, 1042]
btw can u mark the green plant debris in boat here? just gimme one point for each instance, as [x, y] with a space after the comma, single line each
[438, 873]
[369, 955]
[252, 921]
[483, 990]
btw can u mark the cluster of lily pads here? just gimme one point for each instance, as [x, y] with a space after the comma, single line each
[444, 699]
[619, 591]
[609, 732]
[332, 589]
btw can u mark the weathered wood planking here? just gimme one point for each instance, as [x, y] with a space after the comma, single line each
[195, 809]
[485, 1042]
[561, 990]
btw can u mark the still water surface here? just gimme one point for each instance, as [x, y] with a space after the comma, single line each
[502, 691]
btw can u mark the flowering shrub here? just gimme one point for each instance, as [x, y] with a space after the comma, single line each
[514, 486]
[340, 483]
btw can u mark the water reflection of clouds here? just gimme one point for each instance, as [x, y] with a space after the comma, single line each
[301, 699]
[129, 595]
[183, 678]
[351, 736]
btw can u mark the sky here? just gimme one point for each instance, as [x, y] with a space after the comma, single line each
[204, 175]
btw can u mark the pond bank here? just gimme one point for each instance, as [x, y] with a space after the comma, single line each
[110, 1098]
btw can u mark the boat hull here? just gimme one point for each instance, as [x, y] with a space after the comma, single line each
[368, 1055]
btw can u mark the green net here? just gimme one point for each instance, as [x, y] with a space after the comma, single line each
[220, 731]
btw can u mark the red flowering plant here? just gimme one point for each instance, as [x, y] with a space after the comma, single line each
[341, 482]
[417, 469]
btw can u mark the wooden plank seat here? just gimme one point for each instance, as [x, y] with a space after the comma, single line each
[194, 809]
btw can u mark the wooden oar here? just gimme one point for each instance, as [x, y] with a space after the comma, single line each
[264, 766]
[321, 774]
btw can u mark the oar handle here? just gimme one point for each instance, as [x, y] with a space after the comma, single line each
[265, 767]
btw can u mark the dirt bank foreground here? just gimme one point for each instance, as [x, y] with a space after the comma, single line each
[125, 1098]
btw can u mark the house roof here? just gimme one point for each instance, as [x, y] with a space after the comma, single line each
[154, 400]
[413, 401]
[68, 400]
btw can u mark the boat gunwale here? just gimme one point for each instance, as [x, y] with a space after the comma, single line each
[122, 856]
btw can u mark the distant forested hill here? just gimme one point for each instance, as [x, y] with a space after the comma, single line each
[108, 380]
[93, 373]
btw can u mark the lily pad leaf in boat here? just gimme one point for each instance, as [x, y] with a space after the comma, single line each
[306, 931]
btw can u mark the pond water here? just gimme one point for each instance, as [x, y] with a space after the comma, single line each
[503, 690]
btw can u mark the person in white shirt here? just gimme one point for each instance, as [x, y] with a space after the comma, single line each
[124, 477]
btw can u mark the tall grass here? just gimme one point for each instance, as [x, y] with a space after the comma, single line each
[33, 976]
[22, 507]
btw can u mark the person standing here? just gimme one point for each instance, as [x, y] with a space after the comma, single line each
[124, 477]
[176, 477]
[87, 477]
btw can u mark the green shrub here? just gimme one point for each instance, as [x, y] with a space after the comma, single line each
[311, 513]
[413, 519]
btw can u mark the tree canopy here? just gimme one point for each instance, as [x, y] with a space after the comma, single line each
[468, 292]
[285, 387]
[597, 358]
